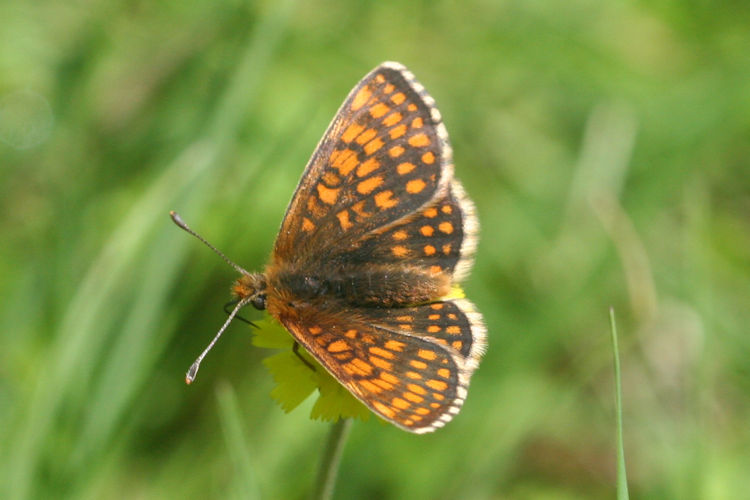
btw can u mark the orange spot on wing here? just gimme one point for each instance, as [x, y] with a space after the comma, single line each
[419, 140]
[400, 403]
[431, 212]
[344, 221]
[428, 158]
[392, 119]
[405, 168]
[422, 411]
[338, 346]
[436, 269]
[457, 345]
[417, 122]
[381, 352]
[444, 372]
[426, 354]
[417, 388]
[368, 185]
[438, 385]
[381, 363]
[433, 328]
[388, 88]
[307, 225]
[419, 365]
[369, 386]
[446, 249]
[383, 384]
[361, 98]
[389, 377]
[415, 186]
[397, 132]
[327, 195]
[383, 409]
[351, 132]
[351, 334]
[396, 151]
[373, 146]
[429, 250]
[446, 227]
[384, 199]
[427, 230]
[413, 397]
[453, 330]
[315, 330]
[362, 365]
[344, 161]
[400, 235]
[399, 251]
[414, 375]
[447, 209]
[398, 98]
[394, 345]
[366, 135]
[368, 166]
[412, 107]
[379, 110]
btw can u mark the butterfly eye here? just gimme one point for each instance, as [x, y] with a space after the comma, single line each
[259, 301]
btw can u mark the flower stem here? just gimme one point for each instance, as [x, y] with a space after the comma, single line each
[329, 466]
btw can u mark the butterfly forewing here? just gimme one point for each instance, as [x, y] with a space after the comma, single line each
[385, 154]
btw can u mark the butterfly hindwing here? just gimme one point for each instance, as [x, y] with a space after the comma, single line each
[439, 238]
[402, 363]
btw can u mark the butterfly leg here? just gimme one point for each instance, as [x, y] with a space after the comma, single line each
[295, 350]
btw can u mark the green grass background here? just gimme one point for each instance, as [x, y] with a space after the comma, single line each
[605, 144]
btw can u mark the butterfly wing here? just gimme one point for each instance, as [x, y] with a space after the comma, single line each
[439, 238]
[411, 366]
[384, 156]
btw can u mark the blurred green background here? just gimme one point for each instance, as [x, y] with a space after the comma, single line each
[605, 144]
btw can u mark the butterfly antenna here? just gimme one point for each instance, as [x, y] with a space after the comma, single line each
[193, 370]
[228, 310]
[181, 224]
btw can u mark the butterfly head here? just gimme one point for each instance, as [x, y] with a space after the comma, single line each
[251, 288]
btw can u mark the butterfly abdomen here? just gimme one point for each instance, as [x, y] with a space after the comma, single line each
[385, 286]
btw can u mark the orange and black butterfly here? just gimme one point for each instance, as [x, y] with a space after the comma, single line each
[377, 233]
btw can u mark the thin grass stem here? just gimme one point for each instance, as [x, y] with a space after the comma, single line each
[329, 466]
[622, 479]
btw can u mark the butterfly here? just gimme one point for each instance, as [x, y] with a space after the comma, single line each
[375, 238]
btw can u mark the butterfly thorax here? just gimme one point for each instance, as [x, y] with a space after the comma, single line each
[365, 286]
